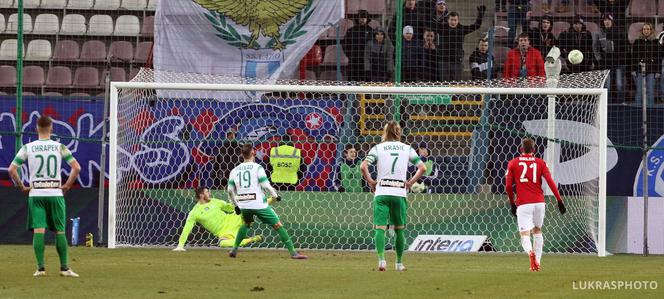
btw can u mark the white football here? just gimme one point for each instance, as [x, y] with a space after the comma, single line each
[575, 57]
[418, 188]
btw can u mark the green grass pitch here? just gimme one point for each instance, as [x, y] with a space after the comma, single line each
[210, 273]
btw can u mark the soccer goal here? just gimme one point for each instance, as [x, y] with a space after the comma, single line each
[170, 132]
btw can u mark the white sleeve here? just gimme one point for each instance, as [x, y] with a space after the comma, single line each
[413, 157]
[372, 157]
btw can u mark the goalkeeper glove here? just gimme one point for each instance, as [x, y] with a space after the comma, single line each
[278, 198]
[561, 207]
[237, 210]
[513, 208]
[179, 249]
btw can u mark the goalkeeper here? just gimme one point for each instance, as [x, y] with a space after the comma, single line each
[216, 216]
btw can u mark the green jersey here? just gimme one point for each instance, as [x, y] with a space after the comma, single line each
[216, 216]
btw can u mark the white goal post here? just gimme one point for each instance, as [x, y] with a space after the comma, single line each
[119, 196]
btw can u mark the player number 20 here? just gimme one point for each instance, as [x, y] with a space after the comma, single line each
[525, 168]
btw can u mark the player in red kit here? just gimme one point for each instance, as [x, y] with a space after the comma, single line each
[526, 172]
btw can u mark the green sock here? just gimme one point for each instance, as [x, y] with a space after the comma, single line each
[283, 235]
[38, 245]
[380, 243]
[400, 243]
[61, 245]
[231, 242]
[241, 233]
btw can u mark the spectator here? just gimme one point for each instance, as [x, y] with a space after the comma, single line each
[225, 157]
[541, 38]
[412, 56]
[523, 61]
[431, 64]
[616, 8]
[577, 38]
[563, 7]
[354, 43]
[518, 13]
[501, 5]
[453, 34]
[349, 175]
[646, 50]
[440, 14]
[479, 61]
[609, 48]
[431, 177]
[286, 166]
[411, 17]
[379, 57]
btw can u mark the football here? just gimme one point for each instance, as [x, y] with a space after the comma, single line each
[575, 57]
[418, 188]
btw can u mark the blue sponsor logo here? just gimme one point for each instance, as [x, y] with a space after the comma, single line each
[655, 170]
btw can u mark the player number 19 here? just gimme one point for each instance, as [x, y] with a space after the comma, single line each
[523, 172]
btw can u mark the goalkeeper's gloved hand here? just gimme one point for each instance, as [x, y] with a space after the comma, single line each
[513, 209]
[277, 198]
[237, 210]
[561, 207]
[179, 249]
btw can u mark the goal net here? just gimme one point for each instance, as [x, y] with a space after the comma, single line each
[171, 132]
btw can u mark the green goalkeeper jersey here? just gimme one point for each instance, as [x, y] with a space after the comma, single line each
[216, 216]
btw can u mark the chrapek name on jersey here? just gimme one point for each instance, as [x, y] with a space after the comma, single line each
[392, 159]
[44, 159]
[247, 178]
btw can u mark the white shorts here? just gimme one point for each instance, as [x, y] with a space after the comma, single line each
[530, 215]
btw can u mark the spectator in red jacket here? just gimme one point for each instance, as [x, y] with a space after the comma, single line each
[524, 60]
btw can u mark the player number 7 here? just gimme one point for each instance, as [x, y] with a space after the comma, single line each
[396, 157]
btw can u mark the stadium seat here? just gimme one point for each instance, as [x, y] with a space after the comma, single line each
[147, 28]
[28, 3]
[127, 25]
[559, 27]
[93, 50]
[642, 8]
[39, 50]
[118, 74]
[501, 29]
[100, 25]
[330, 57]
[29, 94]
[499, 55]
[46, 24]
[12, 23]
[134, 4]
[107, 5]
[352, 6]
[123, 50]
[344, 25]
[66, 50]
[8, 49]
[373, 6]
[86, 76]
[53, 4]
[310, 75]
[152, 4]
[7, 75]
[58, 76]
[33, 76]
[6, 3]
[80, 4]
[143, 50]
[634, 31]
[79, 94]
[330, 76]
[52, 94]
[2, 23]
[73, 24]
[592, 27]
[133, 73]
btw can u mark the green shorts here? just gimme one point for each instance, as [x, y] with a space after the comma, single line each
[47, 212]
[267, 216]
[390, 210]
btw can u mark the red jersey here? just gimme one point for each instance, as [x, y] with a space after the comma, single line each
[527, 171]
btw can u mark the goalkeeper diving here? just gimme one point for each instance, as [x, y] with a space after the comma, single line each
[216, 216]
